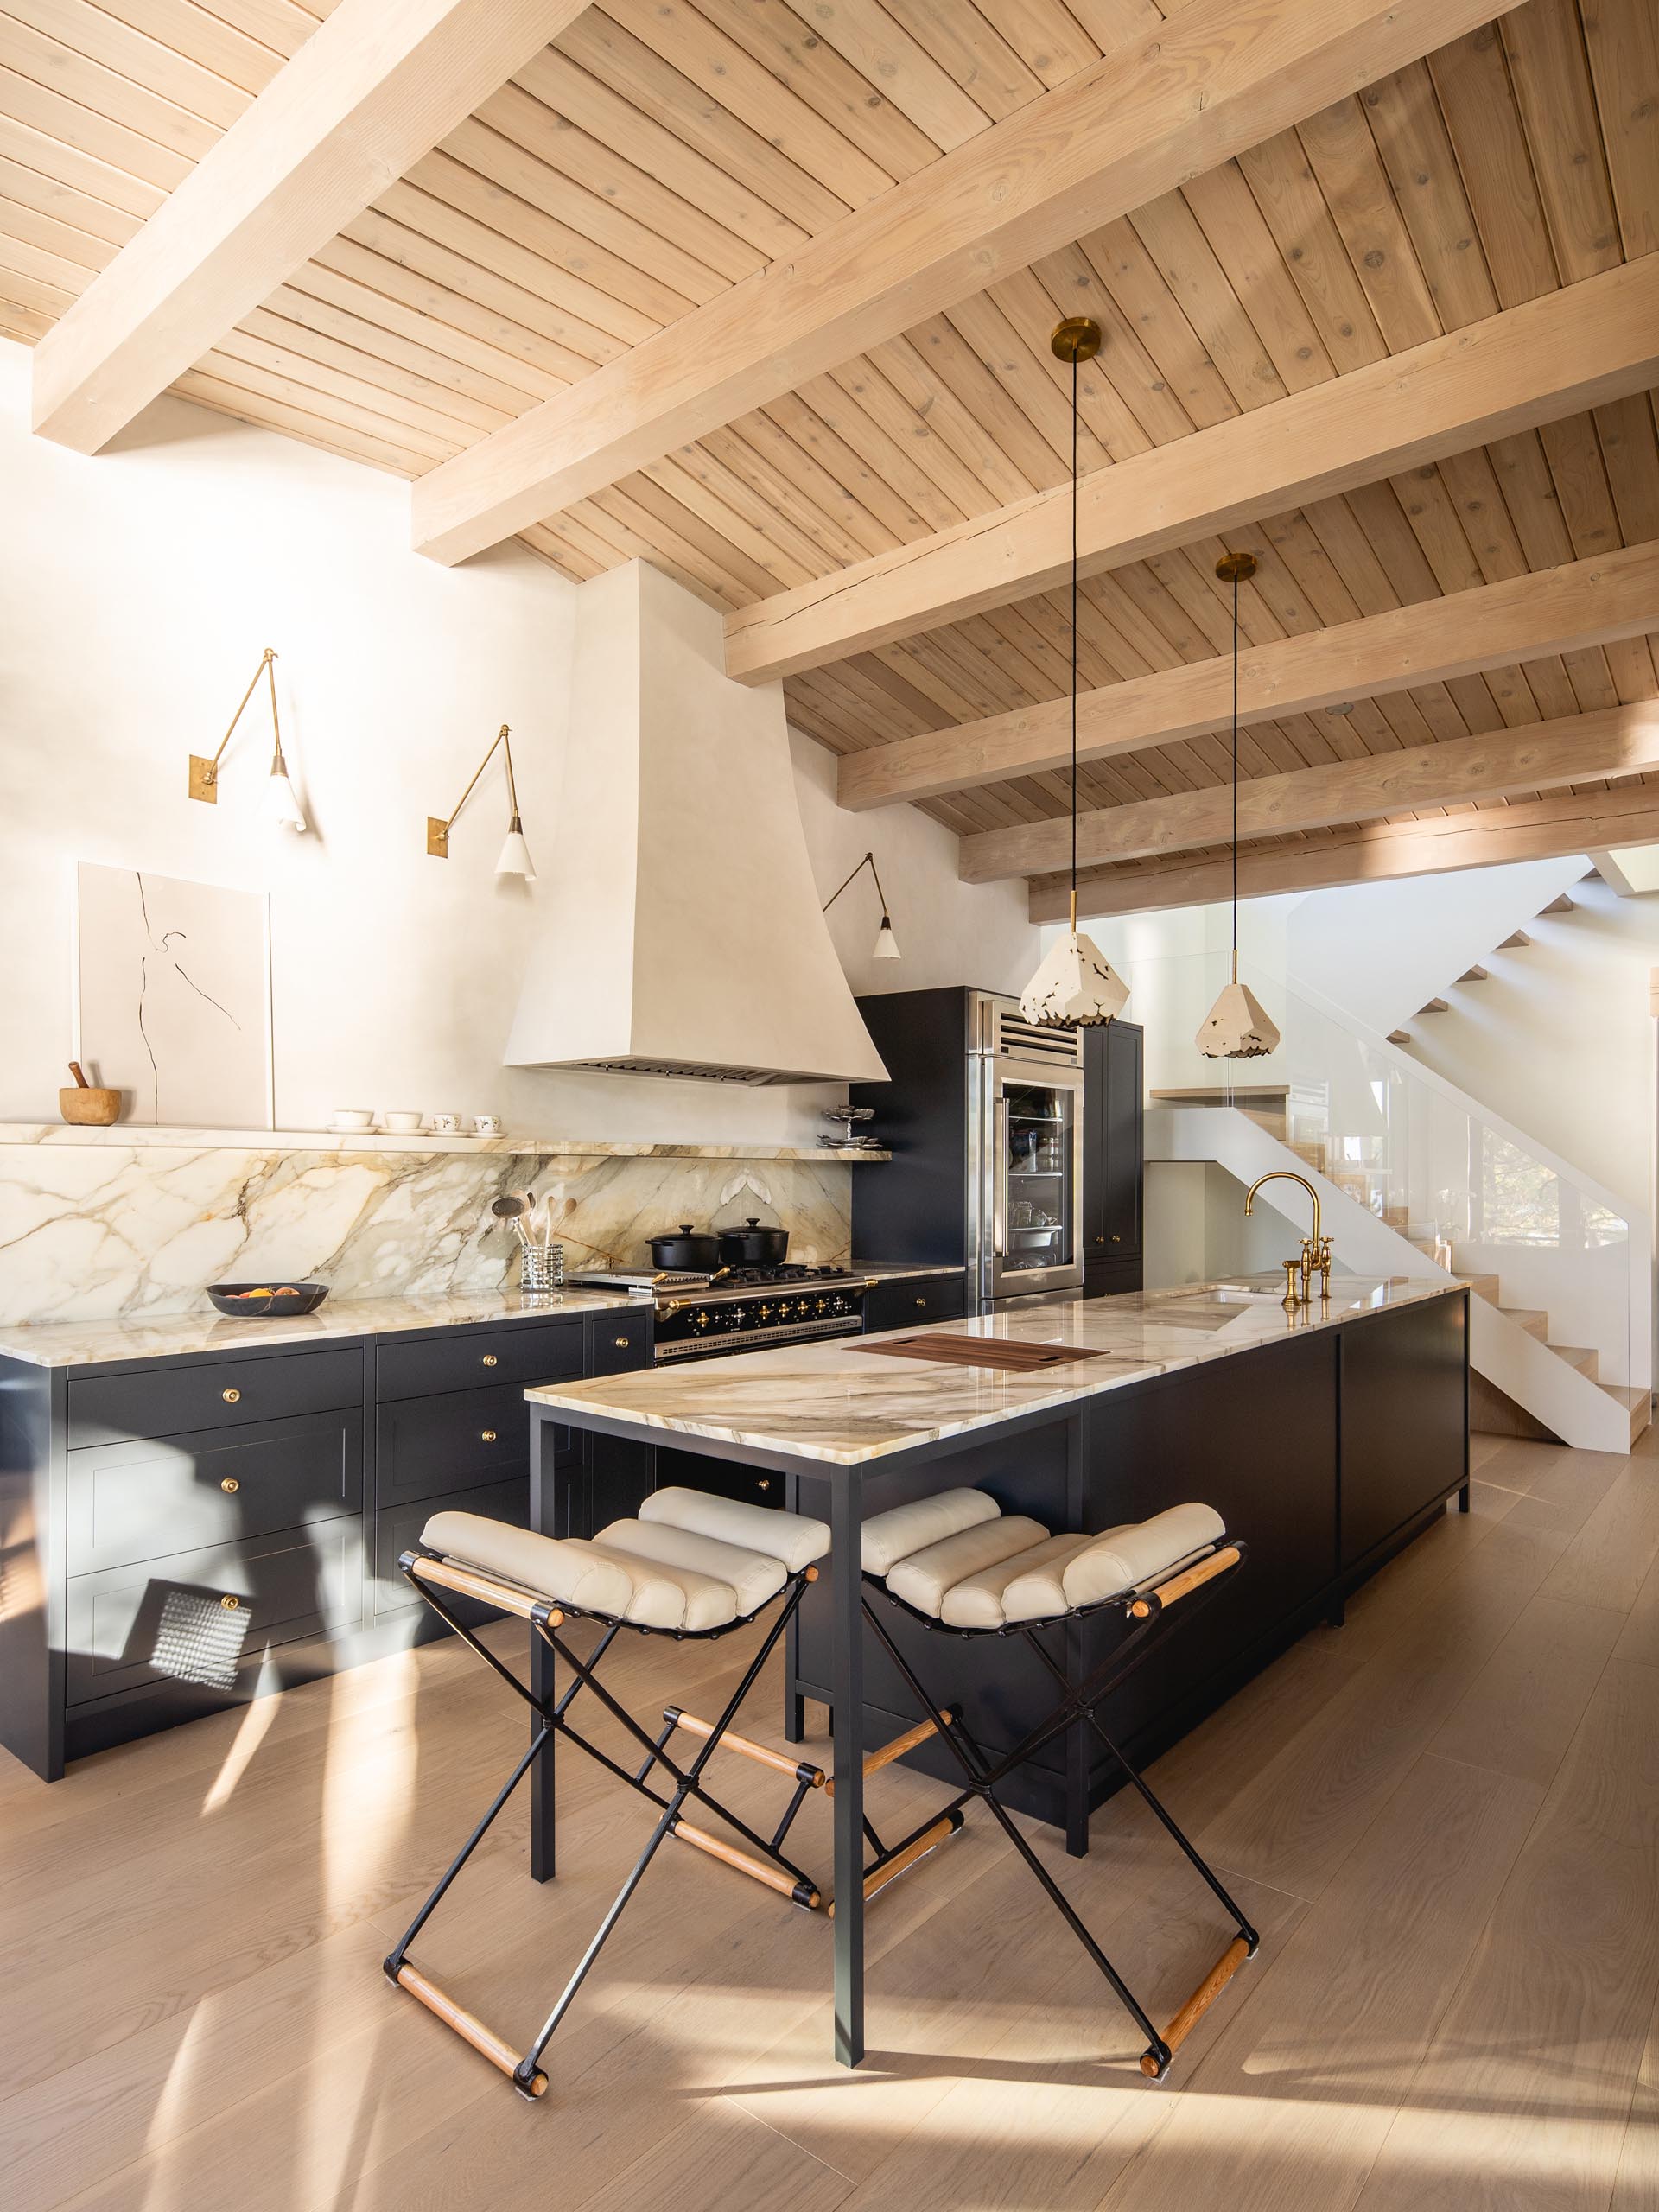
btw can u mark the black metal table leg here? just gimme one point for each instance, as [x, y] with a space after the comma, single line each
[543, 1508]
[847, 1689]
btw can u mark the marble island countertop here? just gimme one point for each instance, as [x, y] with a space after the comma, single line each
[844, 1403]
[138, 1336]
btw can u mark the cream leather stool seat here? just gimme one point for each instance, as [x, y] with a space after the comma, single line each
[691, 1562]
[959, 1558]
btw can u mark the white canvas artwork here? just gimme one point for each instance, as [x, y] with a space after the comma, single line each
[173, 996]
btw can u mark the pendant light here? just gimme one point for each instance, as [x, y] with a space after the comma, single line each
[281, 805]
[1074, 987]
[1235, 1027]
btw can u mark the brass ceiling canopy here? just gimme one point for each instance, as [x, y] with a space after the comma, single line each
[1236, 567]
[1076, 339]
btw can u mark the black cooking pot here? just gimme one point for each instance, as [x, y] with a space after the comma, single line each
[752, 1246]
[692, 1252]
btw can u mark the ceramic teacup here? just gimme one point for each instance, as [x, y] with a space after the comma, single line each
[487, 1125]
[447, 1125]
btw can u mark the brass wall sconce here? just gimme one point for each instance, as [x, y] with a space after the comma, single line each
[281, 803]
[515, 853]
[886, 944]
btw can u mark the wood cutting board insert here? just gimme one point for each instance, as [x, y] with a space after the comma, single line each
[1011, 1355]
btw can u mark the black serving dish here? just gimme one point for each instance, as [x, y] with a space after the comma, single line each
[252, 1301]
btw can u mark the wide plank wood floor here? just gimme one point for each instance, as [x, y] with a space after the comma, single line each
[1442, 1816]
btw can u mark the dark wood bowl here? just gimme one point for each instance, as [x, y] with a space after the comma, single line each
[252, 1301]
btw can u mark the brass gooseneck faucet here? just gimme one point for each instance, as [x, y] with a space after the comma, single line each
[1316, 1250]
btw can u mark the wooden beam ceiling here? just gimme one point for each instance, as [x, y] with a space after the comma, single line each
[371, 90]
[1617, 741]
[1575, 348]
[1215, 80]
[1566, 609]
[1546, 829]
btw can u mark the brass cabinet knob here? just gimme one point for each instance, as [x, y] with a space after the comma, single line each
[763, 1483]
[230, 1483]
[1117, 1240]
[488, 1360]
[487, 1435]
[231, 1604]
[1100, 1240]
[230, 1396]
[922, 1303]
[621, 1343]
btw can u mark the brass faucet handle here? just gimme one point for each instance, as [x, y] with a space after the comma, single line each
[1295, 1284]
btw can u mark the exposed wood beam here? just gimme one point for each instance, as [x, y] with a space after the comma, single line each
[1220, 76]
[1579, 749]
[1581, 604]
[1566, 822]
[372, 89]
[1563, 352]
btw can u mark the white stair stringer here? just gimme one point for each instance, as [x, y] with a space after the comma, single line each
[1567, 1403]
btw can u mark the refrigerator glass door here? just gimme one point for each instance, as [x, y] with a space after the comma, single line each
[1035, 1143]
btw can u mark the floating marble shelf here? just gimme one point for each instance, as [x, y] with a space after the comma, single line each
[145, 1136]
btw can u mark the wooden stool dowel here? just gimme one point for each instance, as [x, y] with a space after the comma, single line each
[1183, 1585]
[889, 1870]
[466, 2024]
[1199, 2002]
[886, 1753]
[762, 1754]
[732, 1854]
[470, 1584]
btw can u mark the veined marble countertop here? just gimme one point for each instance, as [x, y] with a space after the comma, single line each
[146, 1136]
[844, 1403]
[84, 1344]
[904, 1270]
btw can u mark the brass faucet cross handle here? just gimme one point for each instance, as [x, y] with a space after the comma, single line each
[1316, 1250]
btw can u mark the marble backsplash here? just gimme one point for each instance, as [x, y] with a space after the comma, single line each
[94, 1232]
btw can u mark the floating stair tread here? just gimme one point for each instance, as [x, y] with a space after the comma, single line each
[1485, 1287]
[1584, 1357]
[1399, 1036]
[1517, 943]
[1434, 1006]
[1475, 975]
[1561, 905]
[1533, 1319]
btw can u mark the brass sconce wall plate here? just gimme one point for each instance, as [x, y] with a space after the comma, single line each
[437, 837]
[204, 780]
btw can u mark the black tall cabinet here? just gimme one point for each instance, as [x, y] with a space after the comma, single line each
[1113, 1177]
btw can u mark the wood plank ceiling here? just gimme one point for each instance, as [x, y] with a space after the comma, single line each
[659, 152]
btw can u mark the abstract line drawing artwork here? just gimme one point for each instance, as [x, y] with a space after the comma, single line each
[173, 996]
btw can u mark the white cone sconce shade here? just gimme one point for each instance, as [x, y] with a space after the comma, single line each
[515, 854]
[1235, 1027]
[1074, 987]
[281, 803]
[886, 944]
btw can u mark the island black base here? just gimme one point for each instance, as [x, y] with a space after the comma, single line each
[1326, 1454]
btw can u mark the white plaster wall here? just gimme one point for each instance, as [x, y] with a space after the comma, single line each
[1196, 1227]
[136, 590]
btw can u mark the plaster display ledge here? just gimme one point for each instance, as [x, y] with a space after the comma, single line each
[146, 1136]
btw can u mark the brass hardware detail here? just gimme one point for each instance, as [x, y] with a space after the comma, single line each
[763, 1483]
[1236, 567]
[1315, 1257]
[922, 1303]
[230, 1396]
[231, 1604]
[230, 1483]
[438, 826]
[486, 1435]
[489, 1359]
[621, 1343]
[204, 773]
[1117, 1240]
[1076, 339]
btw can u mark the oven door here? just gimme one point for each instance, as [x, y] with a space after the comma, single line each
[1030, 1211]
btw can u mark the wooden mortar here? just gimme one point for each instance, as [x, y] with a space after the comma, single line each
[87, 1105]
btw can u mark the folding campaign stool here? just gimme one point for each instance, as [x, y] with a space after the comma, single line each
[692, 1567]
[957, 1564]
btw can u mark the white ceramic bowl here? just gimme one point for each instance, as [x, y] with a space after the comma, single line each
[352, 1118]
[404, 1123]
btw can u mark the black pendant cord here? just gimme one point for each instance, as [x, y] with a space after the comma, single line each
[1235, 778]
[1074, 641]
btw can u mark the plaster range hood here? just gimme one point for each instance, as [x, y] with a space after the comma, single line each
[679, 929]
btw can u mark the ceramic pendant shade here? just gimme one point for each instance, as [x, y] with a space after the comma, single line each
[886, 944]
[1235, 1027]
[1074, 985]
[515, 854]
[281, 802]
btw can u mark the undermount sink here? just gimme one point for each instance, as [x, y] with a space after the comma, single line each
[1232, 1295]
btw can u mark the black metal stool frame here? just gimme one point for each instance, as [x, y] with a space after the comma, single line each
[546, 1616]
[1147, 1615]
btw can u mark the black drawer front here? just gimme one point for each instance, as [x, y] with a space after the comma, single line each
[904, 1304]
[178, 1395]
[168, 1619]
[399, 1527]
[425, 1445]
[1109, 1277]
[465, 1359]
[141, 1500]
[621, 1341]
[725, 1478]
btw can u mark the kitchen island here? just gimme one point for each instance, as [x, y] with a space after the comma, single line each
[1326, 1436]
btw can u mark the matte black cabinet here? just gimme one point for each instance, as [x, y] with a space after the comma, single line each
[913, 1300]
[1113, 1173]
[180, 1534]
